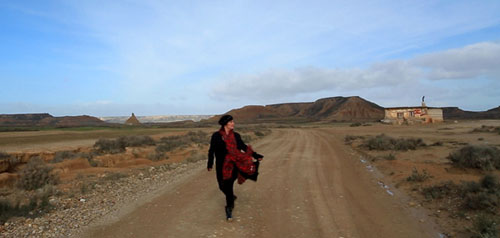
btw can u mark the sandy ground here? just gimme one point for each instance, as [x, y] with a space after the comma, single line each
[311, 185]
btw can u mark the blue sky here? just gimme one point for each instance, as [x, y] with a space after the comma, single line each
[111, 58]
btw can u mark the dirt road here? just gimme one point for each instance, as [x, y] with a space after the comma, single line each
[310, 185]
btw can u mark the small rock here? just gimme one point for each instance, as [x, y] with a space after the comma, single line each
[412, 204]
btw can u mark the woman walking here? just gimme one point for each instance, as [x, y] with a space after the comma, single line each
[233, 160]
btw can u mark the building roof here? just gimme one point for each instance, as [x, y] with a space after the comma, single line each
[412, 107]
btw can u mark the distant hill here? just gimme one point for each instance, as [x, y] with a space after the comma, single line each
[349, 109]
[455, 113]
[45, 119]
[325, 109]
[157, 119]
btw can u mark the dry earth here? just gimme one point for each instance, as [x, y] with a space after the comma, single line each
[311, 185]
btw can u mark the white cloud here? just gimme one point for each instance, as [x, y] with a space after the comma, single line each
[482, 59]
[468, 63]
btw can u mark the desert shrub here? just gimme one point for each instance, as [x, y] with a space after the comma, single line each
[109, 146]
[471, 187]
[172, 142]
[135, 141]
[384, 142]
[259, 133]
[198, 137]
[481, 201]
[36, 174]
[484, 128]
[491, 183]
[59, 156]
[355, 124]
[484, 195]
[157, 156]
[379, 142]
[114, 176]
[390, 156]
[484, 227]
[9, 158]
[437, 143]
[246, 138]
[408, 144]
[417, 176]
[195, 156]
[476, 156]
[4, 156]
[439, 191]
[35, 201]
[349, 138]
[86, 187]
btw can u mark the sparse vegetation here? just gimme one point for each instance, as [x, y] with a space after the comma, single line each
[348, 139]
[198, 137]
[484, 128]
[390, 156]
[246, 138]
[384, 142]
[170, 143]
[485, 227]
[355, 124]
[437, 143]
[63, 155]
[135, 141]
[114, 176]
[157, 156]
[417, 176]
[484, 195]
[119, 145]
[12, 161]
[195, 156]
[440, 191]
[36, 174]
[476, 156]
[4, 156]
[259, 133]
[25, 203]
[109, 146]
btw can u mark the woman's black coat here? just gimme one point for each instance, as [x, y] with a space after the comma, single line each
[218, 148]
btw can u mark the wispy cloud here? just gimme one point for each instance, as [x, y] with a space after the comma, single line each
[473, 62]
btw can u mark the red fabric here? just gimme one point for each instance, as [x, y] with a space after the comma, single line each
[242, 160]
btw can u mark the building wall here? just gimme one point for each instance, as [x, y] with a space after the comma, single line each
[413, 115]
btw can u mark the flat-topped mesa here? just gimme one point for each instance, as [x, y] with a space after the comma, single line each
[325, 109]
[45, 119]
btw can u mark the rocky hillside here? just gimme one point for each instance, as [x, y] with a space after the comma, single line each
[325, 109]
[45, 119]
[455, 113]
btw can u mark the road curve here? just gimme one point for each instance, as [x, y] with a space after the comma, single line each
[309, 186]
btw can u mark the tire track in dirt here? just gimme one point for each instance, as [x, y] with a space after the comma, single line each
[309, 186]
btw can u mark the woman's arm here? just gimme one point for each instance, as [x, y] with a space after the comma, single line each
[242, 146]
[211, 152]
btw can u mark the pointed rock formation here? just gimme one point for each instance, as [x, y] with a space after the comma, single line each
[132, 120]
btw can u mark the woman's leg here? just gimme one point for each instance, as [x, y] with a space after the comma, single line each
[228, 188]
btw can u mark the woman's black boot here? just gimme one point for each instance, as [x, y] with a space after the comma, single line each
[229, 213]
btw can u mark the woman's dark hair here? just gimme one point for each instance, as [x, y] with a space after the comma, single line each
[225, 119]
